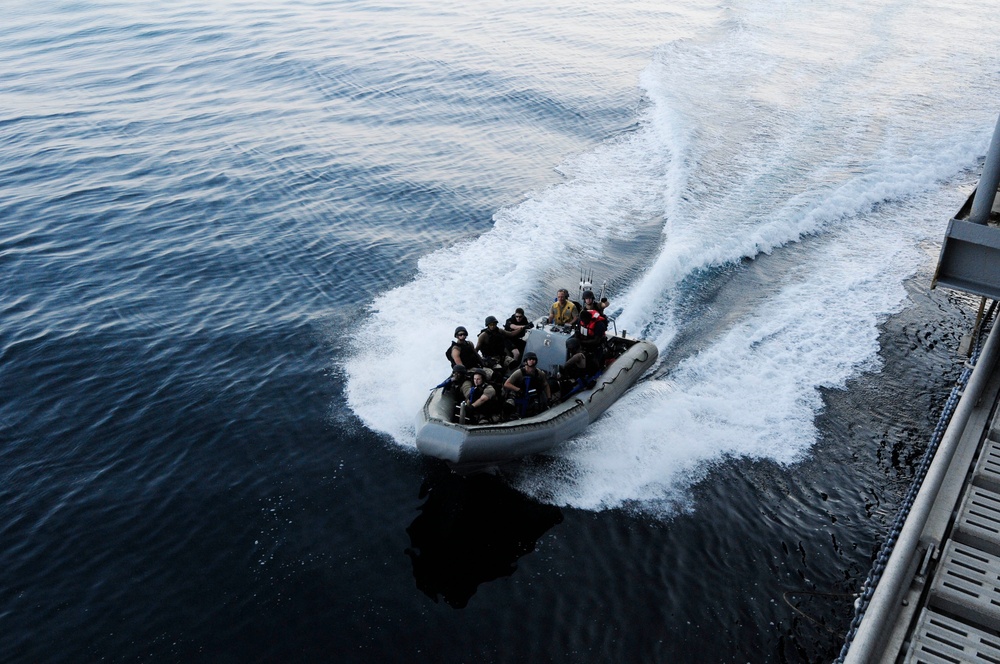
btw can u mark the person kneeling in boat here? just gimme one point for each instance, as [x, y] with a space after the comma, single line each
[482, 404]
[530, 387]
[461, 351]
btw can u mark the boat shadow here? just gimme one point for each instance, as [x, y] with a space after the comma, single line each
[472, 530]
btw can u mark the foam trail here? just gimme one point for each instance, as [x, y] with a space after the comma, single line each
[735, 167]
[762, 168]
[753, 393]
[687, 250]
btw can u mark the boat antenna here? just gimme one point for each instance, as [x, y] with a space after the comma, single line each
[586, 282]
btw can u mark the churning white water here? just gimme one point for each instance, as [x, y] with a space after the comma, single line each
[833, 140]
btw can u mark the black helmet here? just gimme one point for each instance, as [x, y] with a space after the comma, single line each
[530, 356]
[460, 329]
[459, 369]
[491, 319]
[588, 293]
[480, 371]
[573, 344]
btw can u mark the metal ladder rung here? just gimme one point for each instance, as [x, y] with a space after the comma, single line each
[987, 472]
[978, 522]
[939, 639]
[967, 584]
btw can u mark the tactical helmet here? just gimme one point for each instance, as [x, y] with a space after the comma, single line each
[530, 356]
[480, 371]
[588, 293]
[460, 329]
[491, 319]
[459, 369]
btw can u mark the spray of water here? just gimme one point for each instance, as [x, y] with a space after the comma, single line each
[732, 170]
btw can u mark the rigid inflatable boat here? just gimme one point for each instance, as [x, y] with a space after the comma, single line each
[471, 446]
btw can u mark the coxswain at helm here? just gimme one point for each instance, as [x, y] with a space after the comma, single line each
[563, 311]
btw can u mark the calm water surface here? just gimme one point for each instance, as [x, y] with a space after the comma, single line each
[235, 238]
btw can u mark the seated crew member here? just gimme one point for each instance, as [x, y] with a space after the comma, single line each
[516, 327]
[457, 383]
[590, 303]
[482, 399]
[574, 373]
[462, 351]
[492, 344]
[530, 386]
[563, 311]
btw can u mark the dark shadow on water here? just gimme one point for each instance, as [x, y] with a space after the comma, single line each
[471, 530]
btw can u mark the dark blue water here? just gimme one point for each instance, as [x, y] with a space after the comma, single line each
[234, 239]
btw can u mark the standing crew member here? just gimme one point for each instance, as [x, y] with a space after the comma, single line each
[589, 302]
[593, 326]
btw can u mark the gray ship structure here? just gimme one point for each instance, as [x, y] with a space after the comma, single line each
[933, 595]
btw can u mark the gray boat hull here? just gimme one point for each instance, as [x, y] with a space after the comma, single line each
[465, 445]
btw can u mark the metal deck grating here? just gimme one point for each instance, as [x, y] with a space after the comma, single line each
[994, 431]
[987, 473]
[978, 522]
[967, 585]
[938, 639]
